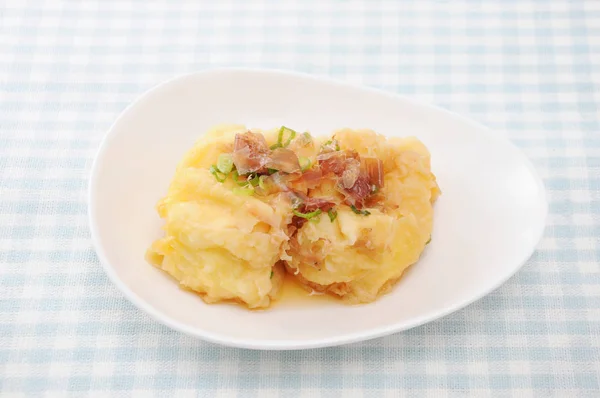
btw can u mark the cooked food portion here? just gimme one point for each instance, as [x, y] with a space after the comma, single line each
[345, 215]
[220, 240]
[383, 191]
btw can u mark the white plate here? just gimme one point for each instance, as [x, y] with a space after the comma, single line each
[487, 221]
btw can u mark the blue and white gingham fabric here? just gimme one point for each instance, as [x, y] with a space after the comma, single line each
[530, 69]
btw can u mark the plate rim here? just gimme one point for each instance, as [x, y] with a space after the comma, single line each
[295, 344]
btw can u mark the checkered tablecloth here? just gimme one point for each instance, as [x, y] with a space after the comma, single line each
[530, 69]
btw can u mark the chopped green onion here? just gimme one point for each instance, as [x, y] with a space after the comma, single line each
[374, 189]
[327, 143]
[305, 163]
[253, 180]
[225, 163]
[307, 216]
[363, 212]
[272, 273]
[261, 181]
[244, 191]
[337, 144]
[218, 175]
[332, 214]
[429, 241]
[307, 138]
[274, 146]
[280, 142]
[235, 175]
[272, 171]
